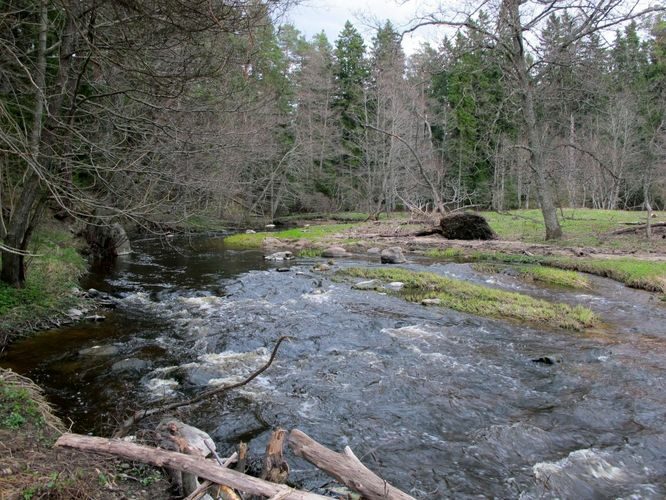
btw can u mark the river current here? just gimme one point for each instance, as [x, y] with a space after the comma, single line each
[441, 404]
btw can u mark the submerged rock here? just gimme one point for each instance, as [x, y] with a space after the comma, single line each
[548, 359]
[130, 365]
[392, 255]
[99, 350]
[466, 226]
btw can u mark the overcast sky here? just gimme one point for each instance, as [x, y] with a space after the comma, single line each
[312, 16]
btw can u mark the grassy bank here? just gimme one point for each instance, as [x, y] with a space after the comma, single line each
[643, 274]
[52, 276]
[540, 274]
[476, 299]
[313, 233]
[30, 468]
[581, 227]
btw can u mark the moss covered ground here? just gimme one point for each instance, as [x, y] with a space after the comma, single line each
[476, 299]
[313, 233]
[52, 274]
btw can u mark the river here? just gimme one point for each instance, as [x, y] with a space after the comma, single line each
[439, 403]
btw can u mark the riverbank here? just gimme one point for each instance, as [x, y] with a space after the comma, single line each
[31, 468]
[52, 285]
[606, 243]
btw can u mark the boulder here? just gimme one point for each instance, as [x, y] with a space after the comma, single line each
[466, 226]
[395, 285]
[431, 302]
[374, 251]
[392, 255]
[107, 241]
[334, 252]
[280, 256]
[367, 285]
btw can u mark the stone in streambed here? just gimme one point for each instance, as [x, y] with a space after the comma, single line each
[130, 365]
[334, 252]
[548, 359]
[392, 255]
[99, 350]
[431, 302]
[367, 285]
[280, 256]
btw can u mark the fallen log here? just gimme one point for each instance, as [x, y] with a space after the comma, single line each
[637, 226]
[344, 467]
[186, 463]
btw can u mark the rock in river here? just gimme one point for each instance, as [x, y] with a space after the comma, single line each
[392, 255]
[334, 252]
[280, 256]
[130, 365]
[99, 350]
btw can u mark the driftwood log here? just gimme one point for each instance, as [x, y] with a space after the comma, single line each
[344, 467]
[202, 468]
[275, 467]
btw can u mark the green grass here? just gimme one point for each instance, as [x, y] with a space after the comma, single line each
[557, 277]
[635, 273]
[643, 274]
[314, 233]
[17, 406]
[542, 274]
[581, 227]
[475, 299]
[50, 278]
[310, 252]
[445, 253]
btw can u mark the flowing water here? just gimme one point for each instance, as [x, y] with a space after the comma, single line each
[441, 404]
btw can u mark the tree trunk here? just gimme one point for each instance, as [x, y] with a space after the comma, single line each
[545, 197]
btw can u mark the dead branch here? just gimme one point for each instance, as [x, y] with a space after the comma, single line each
[637, 227]
[141, 414]
[344, 467]
[186, 463]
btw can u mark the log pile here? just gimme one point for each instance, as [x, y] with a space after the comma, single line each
[344, 467]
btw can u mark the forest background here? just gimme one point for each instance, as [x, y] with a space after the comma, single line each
[160, 112]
